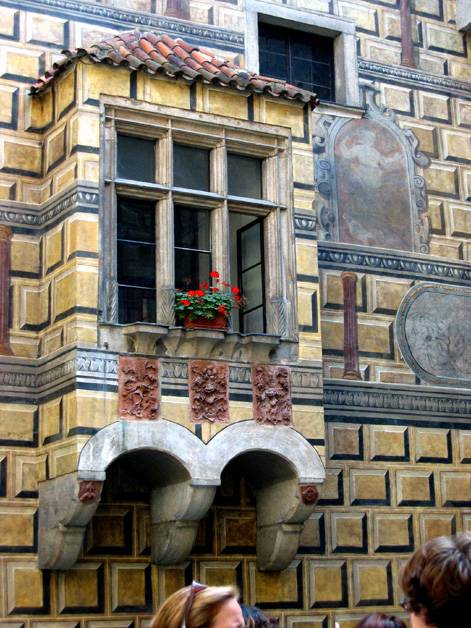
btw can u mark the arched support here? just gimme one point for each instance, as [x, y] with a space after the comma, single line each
[183, 474]
[280, 461]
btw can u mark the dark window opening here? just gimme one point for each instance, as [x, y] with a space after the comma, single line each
[191, 167]
[136, 260]
[244, 176]
[136, 159]
[192, 247]
[248, 272]
[298, 57]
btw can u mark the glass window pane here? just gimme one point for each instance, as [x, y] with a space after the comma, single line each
[250, 246]
[253, 322]
[244, 176]
[274, 65]
[252, 287]
[136, 158]
[136, 264]
[272, 38]
[190, 167]
[136, 219]
[136, 304]
[191, 269]
[191, 228]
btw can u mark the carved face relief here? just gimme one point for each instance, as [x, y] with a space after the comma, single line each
[138, 388]
[209, 391]
[90, 491]
[309, 494]
[271, 394]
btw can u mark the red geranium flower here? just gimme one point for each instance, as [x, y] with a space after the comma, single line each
[214, 274]
[185, 302]
[191, 293]
[222, 309]
[214, 289]
[199, 293]
[235, 290]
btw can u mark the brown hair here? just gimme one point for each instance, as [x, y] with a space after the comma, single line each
[377, 620]
[437, 581]
[205, 606]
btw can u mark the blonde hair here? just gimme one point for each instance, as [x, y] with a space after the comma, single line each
[205, 607]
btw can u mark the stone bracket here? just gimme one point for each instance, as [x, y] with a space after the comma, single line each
[175, 514]
[65, 508]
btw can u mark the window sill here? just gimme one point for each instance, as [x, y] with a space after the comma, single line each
[161, 340]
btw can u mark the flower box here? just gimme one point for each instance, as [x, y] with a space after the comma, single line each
[218, 322]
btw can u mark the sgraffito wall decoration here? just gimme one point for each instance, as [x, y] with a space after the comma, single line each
[434, 333]
[369, 191]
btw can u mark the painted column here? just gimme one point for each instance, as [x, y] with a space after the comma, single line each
[5, 262]
[350, 327]
[407, 55]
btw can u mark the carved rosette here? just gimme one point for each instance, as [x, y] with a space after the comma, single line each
[138, 388]
[90, 491]
[271, 394]
[209, 391]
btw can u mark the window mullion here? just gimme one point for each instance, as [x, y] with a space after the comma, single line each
[165, 270]
[109, 285]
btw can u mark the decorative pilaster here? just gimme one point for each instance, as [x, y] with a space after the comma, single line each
[350, 327]
[5, 264]
[407, 55]
[138, 388]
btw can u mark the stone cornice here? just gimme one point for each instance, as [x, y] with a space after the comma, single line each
[113, 16]
[22, 215]
[414, 78]
[364, 400]
[398, 264]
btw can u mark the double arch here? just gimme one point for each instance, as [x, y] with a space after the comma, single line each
[184, 473]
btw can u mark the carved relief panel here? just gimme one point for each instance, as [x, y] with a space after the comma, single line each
[138, 388]
[271, 394]
[209, 391]
[369, 192]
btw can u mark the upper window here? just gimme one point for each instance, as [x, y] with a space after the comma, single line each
[300, 58]
[183, 200]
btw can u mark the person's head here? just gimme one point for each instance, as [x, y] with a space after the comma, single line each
[378, 620]
[200, 606]
[254, 618]
[436, 581]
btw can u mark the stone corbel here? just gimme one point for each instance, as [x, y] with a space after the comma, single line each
[65, 508]
[282, 509]
[175, 514]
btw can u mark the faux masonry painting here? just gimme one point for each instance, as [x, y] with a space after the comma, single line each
[235, 279]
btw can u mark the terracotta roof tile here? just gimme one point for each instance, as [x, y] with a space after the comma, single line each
[154, 53]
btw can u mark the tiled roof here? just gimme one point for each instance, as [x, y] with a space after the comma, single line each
[176, 58]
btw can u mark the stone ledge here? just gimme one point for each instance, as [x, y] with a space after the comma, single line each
[165, 341]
